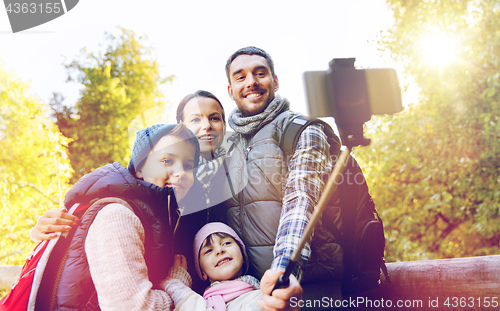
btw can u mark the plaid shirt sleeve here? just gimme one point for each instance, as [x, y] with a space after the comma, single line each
[302, 191]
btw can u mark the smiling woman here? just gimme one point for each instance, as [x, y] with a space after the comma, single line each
[203, 114]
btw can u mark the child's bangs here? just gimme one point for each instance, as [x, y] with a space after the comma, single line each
[210, 239]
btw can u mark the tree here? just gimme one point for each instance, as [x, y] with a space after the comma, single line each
[34, 169]
[433, 169]
[118, 86]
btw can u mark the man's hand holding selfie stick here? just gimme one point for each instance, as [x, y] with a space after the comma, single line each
[351, 96]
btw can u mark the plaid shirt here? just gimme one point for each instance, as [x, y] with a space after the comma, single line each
[302, 191]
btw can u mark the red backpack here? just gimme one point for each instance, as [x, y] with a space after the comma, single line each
[22, 295]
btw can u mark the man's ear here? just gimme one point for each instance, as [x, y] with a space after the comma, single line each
[230, 91]
[276, 83]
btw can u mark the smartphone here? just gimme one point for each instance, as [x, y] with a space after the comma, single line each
[344, 92]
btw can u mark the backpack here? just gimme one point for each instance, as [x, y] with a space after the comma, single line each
[23, 292]
[362, 238]
[36, 288]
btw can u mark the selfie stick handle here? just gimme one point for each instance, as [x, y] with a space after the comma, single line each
[284, 279]
[330, 187]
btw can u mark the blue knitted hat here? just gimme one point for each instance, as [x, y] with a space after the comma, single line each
[147, 138]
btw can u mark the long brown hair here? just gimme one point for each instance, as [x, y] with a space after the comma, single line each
[188, 97]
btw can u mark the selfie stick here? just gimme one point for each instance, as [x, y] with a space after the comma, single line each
[330, 187]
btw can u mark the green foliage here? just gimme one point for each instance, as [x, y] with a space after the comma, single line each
[34, 169]
[433, 170]
[118, 86]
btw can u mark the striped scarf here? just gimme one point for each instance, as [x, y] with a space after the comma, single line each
[208, 168]
[250, 125]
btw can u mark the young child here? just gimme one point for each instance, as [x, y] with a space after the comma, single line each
[220, 256]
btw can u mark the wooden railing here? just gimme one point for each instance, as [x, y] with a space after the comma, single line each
[471, 283]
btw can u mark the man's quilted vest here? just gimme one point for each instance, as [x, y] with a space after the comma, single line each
[254, 213]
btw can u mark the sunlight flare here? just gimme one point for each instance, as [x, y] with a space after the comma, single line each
[439, 49]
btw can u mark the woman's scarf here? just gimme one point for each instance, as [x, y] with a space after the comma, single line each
[218, 294]
[208, 168]
[250, 125]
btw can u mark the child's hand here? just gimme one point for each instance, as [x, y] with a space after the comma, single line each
[53, 221]
[179, 271]
[180, 261]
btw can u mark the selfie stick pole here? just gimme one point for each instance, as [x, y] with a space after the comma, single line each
[330, 188]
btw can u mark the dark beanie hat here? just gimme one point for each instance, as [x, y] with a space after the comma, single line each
[147, 138]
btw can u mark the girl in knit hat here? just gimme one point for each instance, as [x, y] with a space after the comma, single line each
[220, 256]
[138, 218]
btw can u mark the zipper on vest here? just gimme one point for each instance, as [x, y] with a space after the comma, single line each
[260, 142]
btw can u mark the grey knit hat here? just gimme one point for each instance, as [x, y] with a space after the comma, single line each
[145, 141]
[206, 231]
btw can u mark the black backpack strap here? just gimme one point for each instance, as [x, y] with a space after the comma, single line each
[291, 135]
[294, 128]
[289, 141]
